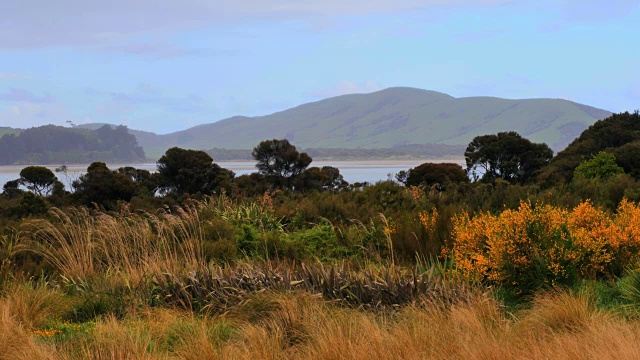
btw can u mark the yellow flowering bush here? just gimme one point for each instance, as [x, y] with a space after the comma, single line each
[541, 245]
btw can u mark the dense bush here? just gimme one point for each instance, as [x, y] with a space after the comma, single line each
[543, 245]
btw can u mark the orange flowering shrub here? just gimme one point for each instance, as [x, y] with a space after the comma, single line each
[544, 245]
[429, 221]
[626, 233]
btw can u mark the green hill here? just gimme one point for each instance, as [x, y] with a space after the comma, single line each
[387, 119]
[8, 131]
[52, 144]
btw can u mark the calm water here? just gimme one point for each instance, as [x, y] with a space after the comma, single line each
[352, 171]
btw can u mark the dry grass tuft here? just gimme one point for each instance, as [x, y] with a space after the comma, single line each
[16, 342]
[32, 305]
[560, 311]
[112, 339]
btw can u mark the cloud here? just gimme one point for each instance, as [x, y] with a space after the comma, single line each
[21, 95]
[9, 76]
[160, 50]
[36, 23]
[118, 103]
[153, 50]
[347, 87]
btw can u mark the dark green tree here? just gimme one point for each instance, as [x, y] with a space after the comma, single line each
[611, 134]
[280, 161]
[50, 143]
[506, 156]
[38, 179]
[103, 186]
[327, 178]
[11, 189]
[146, 182]
[190, 172]
[628, 157]
[251, 184]
[433, 174]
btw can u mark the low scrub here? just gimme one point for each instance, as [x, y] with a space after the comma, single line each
[541, 246]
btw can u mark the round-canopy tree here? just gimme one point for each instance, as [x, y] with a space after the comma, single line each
[280, 161]
[507, 156]
[38, 179]
[103, 186]
[184, 171]
[432, 174]
[327, 178]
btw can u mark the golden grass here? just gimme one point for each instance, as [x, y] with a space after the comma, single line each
[80, 244]
[559, 325]
[32, 305]
[16, 343]
[284, 324]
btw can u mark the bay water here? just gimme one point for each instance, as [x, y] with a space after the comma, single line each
[352, 170]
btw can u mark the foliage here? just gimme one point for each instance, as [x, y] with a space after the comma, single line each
[612, 134]
[190, 172]
[506, 156]
[434, 174]
[327, 178]
[11, 188]
[56, 144]
[628, 157]
[280, 161]
[38, 179]
[603, 166]
[534, 247]
[217, 289]
[103, 187]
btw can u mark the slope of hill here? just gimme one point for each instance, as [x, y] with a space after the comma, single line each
[8, 131]
[389, 118]
[52, 144]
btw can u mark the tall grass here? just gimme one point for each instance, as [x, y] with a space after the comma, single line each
[81, 244]
[559, 325]
[276, 309]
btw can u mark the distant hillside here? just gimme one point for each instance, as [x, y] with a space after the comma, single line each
[388, 119]
[61, 145]
[8, 131]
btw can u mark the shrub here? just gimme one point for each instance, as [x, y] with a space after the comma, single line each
[534, 247]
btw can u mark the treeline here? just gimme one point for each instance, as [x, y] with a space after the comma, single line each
[600, 165]
[57, 145]
[426, 151]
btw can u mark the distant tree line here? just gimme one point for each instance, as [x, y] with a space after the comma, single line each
[605, 159]
[56, 144]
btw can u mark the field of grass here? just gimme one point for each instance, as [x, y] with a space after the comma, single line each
[299, 325]
[224, 279]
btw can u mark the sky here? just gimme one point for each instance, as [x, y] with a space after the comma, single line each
[164, 66]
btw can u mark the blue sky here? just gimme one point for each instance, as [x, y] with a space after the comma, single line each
[163, 66]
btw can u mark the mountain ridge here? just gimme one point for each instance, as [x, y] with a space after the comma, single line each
[388, 118]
